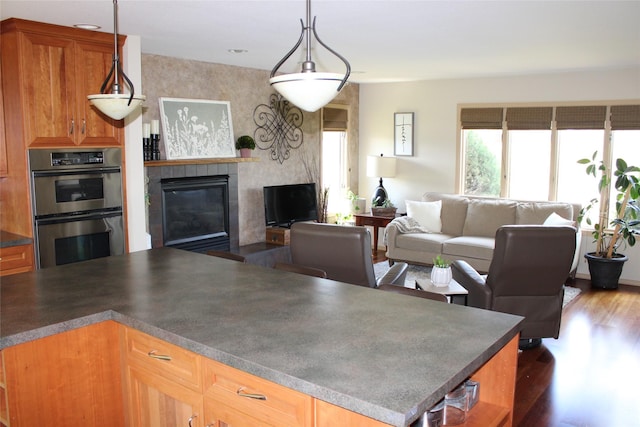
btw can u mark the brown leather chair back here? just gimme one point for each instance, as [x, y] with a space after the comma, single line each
[529, 268]
[344, 252]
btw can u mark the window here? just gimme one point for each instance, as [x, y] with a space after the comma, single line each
[334, 158]
[531, 153]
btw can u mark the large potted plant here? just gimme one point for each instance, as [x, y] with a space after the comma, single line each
[605, 264]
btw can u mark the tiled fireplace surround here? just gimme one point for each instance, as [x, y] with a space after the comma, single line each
[156, 173]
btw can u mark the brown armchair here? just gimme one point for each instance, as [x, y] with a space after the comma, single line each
[344, 252]
[529, 268]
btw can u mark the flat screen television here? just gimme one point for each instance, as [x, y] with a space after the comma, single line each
[286, 204]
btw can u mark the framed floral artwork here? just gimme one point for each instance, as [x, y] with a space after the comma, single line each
[403, 134]
[196, 128]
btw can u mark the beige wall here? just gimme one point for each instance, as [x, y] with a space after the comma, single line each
[435, 103]
[245, 89]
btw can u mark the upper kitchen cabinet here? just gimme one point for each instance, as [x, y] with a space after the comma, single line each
[48, 71]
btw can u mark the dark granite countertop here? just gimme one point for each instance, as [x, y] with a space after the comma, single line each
[8, 240]
[381, 354]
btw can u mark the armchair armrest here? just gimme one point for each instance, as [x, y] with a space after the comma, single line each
[472, 281]
[395, 276]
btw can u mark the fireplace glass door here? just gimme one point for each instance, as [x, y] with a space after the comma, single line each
[196, 213]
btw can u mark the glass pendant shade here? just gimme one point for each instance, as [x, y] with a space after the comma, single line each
[115, 105]
[308, 91]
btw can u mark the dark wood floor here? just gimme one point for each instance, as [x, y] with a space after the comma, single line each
[590, 376]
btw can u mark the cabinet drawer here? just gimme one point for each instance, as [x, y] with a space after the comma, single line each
[163, 359]
[281, 406]
[16, 259]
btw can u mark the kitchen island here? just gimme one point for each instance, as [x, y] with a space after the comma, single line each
[386, 356]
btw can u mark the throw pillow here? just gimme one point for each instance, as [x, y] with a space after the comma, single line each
[426, 213]
[555, 219]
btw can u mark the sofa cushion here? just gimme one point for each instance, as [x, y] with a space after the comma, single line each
[555, 219]
[425, 242]
[453, 213]
[485, 216]
[426, 213]
[469, 247]
[536, 213]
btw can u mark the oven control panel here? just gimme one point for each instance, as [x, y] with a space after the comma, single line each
[77, 158]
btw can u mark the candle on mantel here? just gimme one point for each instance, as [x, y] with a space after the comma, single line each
[146, 130]
[155, 127]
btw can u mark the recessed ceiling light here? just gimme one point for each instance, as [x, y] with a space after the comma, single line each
[87, 26]
[237, 50]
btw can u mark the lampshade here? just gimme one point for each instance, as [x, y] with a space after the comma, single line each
[308, 91]
[116, 106]
[380, 166]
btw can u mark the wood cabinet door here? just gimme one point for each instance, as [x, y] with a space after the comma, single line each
[93, 62]
[158, 402]
[49, 90]
[68, 379]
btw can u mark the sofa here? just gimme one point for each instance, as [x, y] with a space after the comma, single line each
[458, 227]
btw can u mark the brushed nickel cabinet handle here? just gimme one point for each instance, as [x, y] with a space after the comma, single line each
[84, 126]
[191, 418]
[153, 354]
[72, 126]
[256, 396]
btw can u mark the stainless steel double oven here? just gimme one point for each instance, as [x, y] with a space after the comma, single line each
[77, 203]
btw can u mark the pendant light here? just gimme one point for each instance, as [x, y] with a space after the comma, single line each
[308, 89]
[115, 104]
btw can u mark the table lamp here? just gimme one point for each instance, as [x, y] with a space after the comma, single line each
[382, 167]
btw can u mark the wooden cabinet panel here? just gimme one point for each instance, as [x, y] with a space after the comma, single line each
[16, 259]
[167, 360]
[328, 415]
[48, 89]
[93, 63]
[241, 393]
[158, 402]
[58, 68]
[68, 379]
[4, 402]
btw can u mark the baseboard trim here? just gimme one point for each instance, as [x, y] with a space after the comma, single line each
[622, 281]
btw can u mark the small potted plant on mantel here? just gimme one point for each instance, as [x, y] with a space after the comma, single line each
[245, 144]
[605, 264]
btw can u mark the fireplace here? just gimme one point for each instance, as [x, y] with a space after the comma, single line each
[196, 213]
[201, 211]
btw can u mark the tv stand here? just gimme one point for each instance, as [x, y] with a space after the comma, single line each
[278, 235]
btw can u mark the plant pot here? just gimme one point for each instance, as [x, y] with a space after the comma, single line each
[384, 212]
[358, 205]
[441, 276]
[245, 153]
[605, 272]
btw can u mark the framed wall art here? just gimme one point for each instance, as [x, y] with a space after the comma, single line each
[403, 134]
[196, 128]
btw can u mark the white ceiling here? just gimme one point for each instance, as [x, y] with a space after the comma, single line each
[384, 40]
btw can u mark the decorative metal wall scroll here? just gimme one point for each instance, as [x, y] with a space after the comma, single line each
[279, 127]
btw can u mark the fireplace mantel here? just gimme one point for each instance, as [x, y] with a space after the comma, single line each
[153, 163]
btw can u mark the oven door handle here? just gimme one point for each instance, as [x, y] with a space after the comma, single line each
[93, 171]
[78, 217]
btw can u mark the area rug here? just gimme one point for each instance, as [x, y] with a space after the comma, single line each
[421, 273]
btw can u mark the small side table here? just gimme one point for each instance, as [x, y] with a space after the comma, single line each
[376, 222]
[455, 291]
